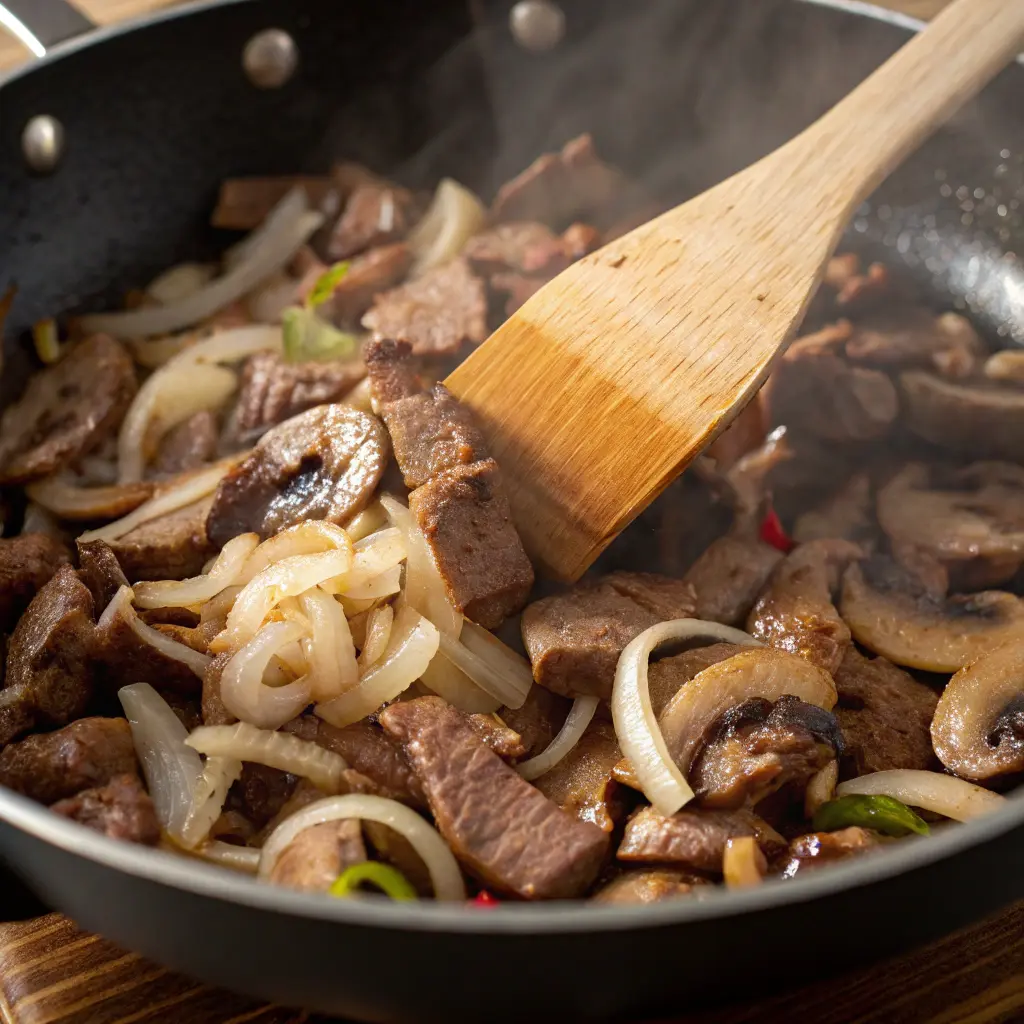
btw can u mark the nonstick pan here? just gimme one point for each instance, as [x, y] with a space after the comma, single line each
[152, 117]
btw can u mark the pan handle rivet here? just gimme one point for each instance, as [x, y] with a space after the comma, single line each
[42, 143]
[537, 25]
[270, 59]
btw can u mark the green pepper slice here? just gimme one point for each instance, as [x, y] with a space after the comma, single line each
[390, 881]
[881, 813]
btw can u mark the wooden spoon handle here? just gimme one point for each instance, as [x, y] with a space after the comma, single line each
[868, 134]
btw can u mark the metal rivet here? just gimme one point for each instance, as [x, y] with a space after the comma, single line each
[270, 58]
[537, 25]
[42, 143]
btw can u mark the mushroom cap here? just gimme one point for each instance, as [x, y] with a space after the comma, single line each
[973, 731]
[892, 613]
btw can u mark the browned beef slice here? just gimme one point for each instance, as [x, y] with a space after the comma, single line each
[756, 748]
[122, 809]
[465, 517]
[370, 751]
[729, 575]
[375, 213]
[505, 742]
[370, 274]
[581, 783]
[100, 571]
[245, 203]
[885, 715]
[67, 410]
[693, 838]
[574, 639]
[233, 827]
[650, 886]
[667, 676]
[315, 858]
[173, 547]
[322, 464]
[214, 711]
[273, 391]
[818, 848]
[431, 432]
[26, 563]
[558, 188]
[260, 792]
[82, 755]
[539, 719]
[190, 444]
[49, 676]
[436, 313]
[506, 832]
[393, 371]
[524, 246]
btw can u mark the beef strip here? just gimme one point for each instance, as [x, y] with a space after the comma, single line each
[245, 203]
[812, 851]
[393, 372]
[273, 391]
[667, 676]
[466, 520]
[581, 783]
[650, 885]
[513, 290]
[885, 715]
[260, 792]
[539, 719]
[574, 639]
[728, 577]
[189, 445]
[437, 313]
[525, 247]
[121, 809]
[214, 711]
[375, 213]
[49, 674]
[27, 563]
[172, 547]
[756, 749]
[317, 856]
[368, 276]
[323, 464]
[82, 755]
[692, 838]
[505, 831]
[796, 611]
[100, 571]
[505, 742]
[67, 410]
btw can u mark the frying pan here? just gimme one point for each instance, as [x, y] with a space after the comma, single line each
[679, 94]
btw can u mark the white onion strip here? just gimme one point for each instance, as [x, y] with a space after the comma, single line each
[219, 774]
[636, 727]
[412, 645]
[370, 520]
[330, 651]
[445, 875]
[226, 855]
[378, 635]
[485, 645]
[309, 538]
[387, 584]
[491, 675]
[279, 750]
[179, 493]
[569, 735]
[943, 794]
[172, 769]
[451, 683]
[270, 248]
[70, 501]
[373, 556]
[224, 572]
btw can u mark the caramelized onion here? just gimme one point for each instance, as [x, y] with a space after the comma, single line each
[224, 572]
[219, 775]
[69, 501]
[743, 863]
[455, 214]
[580, 715]
[309, 538]
[378, 635]
[492, 673]
[330, 651]
[821, 788]
[942, 794]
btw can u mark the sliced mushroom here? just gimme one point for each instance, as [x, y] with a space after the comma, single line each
[892, 613]
[67, 410]
[847, 514]
[795, 613]
[962, 518]
[984, 420]
[324, 464]
[978, 726]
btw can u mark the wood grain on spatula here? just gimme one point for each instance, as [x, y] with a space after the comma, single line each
[614, 376]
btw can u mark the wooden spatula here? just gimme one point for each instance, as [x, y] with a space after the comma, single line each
[614, 376]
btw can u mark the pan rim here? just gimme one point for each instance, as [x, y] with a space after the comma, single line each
[182, 873]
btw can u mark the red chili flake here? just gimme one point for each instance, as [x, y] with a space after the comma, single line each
[772, 532]
[484, 899]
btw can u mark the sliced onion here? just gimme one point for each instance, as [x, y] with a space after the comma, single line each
[180, 282]
[821, 788]
[743, 863]
[280, 750]
[269, 250]
[180, 492]
[370, 520]
[226, 855]
[172, 769]
[575, 725]
[121, 607]
[378, 635]
[152, 354]
[635, 724]
[490, 674]
[451, 683]
[943, 794]
[219, 775]
[412, 645]
[309, 538]
[387, 584]
[424, 588]
[242, 686]
[217, 608]
[374, 555]
[330, 651]
[455, 214]
[485, 645]
[224, 572]
[445, 875]
[70, 501]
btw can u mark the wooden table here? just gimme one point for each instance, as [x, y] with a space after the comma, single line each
[52, 974]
